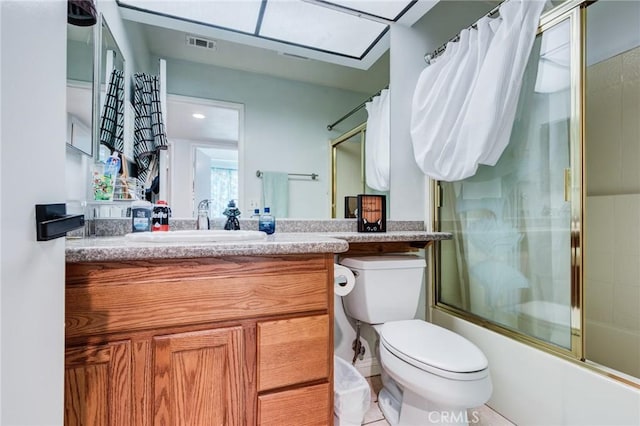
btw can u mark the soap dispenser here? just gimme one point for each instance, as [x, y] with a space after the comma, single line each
[267, 223]
[232, 213]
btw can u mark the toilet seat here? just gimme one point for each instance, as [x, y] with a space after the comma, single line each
[434, 349]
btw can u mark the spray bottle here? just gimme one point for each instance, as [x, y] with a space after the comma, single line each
[104, 184]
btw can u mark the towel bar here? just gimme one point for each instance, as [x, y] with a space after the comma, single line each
[313, 176]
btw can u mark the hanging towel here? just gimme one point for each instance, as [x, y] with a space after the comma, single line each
[275, 193]
[112, 118]
[81, 13]
[149, 133]
[377, 142]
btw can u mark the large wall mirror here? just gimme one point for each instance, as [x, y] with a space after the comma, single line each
[288, 101]
[206, 136]
[80, 53]
[110, 97]
[92, 56]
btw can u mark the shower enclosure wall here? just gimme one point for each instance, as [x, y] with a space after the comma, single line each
[612, 214]
[516, 261]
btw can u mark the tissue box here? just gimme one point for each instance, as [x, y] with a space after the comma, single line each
[372, 213]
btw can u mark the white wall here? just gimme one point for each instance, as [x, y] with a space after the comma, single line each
[608, 28]
[612, 281]
[33, 92]
[202, 175]
[612, 217]
[1, 204]
[407, 182]
[77, 165]
[285, 127]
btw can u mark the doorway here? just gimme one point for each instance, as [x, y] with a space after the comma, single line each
[206, 139]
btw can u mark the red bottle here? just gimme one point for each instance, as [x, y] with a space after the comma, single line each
[160, 219]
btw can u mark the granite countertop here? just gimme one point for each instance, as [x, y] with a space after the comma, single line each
[121, 249]
[387, 237]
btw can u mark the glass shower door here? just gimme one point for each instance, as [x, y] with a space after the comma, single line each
[347, 175]
[510, 261]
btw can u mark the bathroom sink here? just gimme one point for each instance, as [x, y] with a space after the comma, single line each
[195, 236]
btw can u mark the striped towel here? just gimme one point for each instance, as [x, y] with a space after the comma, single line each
[112, 120]
[149, 134]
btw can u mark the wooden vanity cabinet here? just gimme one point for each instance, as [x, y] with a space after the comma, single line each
[212, 341]
[97, 384]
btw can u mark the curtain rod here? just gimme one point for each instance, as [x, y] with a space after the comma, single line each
[428, 57]
[313, 176]
[356, 109]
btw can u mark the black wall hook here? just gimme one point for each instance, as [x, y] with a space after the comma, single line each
[52, 221]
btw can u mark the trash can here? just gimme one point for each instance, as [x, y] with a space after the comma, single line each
[351, 394]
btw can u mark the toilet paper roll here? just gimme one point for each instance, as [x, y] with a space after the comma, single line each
[343, 280]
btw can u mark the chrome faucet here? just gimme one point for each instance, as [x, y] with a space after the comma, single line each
[203, 215]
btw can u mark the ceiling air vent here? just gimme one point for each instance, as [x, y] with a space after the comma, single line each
[201, 42]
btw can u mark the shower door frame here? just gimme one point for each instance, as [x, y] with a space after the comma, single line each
[574, 11]
[361, 129]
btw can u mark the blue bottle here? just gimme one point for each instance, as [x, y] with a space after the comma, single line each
[267, 223]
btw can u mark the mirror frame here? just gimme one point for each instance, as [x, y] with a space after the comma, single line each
[72, 122]
[95, 95]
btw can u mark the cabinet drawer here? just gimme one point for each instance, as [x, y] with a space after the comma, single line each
[307, 406]
[137, 296]
[293, 351]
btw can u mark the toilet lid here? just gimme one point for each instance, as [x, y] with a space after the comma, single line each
[429, 346]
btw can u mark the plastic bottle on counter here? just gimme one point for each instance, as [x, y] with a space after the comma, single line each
[161, 213]
[141, 212]
[267, 223]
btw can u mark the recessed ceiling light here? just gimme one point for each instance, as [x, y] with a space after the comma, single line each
[198, 115]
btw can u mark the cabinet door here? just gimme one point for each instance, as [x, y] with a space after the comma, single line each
[97, 385]
[198, 378]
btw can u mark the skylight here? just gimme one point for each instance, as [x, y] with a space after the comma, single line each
[347, 29]
[389, 10]
[309, 25]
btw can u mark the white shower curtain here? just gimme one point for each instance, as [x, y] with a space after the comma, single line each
[437, 110]
[463, 110]
[377, 142]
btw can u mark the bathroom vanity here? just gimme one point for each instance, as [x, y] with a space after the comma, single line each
[221, 333]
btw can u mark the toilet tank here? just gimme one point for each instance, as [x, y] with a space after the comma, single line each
[387, 288]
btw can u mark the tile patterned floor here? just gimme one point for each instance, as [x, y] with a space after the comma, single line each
[485, 415]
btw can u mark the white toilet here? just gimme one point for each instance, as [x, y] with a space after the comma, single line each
[430, 374]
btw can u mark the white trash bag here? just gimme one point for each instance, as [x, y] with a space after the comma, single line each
[351, 394]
